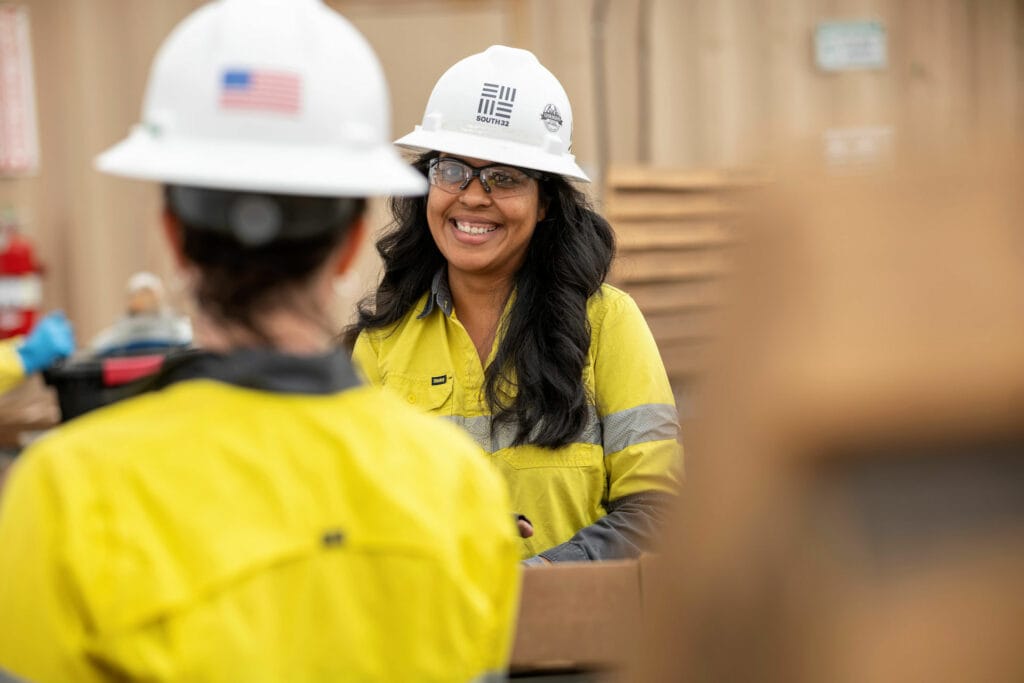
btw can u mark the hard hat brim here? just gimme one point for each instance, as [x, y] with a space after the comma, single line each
[229, 165]
[497, 151]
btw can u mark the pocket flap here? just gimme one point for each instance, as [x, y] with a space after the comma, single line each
[430, 393]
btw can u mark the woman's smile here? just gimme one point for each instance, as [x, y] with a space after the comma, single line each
[471, 227]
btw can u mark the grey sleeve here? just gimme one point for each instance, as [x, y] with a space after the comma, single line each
[9, 678]
[629, 529]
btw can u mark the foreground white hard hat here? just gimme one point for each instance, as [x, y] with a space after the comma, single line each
[501, 105]
[276, 96]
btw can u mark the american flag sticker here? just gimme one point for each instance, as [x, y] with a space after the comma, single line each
[259, 90]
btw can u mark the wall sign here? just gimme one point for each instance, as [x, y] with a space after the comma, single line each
[19, 141]
[858, 148]
[850, 45]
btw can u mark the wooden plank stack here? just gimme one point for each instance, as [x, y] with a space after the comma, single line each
[674, 231]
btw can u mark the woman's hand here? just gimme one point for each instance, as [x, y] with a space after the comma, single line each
[525, 531]
[524, 525]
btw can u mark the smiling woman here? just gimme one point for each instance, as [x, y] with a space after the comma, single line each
[493, 312]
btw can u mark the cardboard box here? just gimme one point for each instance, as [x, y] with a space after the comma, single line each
[579, 616]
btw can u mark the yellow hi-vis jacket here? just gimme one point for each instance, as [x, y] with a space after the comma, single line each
[597, 498]
[12, 371]
[259, 519]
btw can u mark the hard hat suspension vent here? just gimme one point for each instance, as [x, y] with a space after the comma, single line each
[257, 219]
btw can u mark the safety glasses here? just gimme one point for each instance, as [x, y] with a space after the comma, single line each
[453, 176]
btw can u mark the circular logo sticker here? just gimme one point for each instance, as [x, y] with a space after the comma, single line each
[551, 118]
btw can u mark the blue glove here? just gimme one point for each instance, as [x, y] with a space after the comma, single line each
[50, 339]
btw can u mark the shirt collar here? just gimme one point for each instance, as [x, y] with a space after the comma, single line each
[262, 370]
[440, 295]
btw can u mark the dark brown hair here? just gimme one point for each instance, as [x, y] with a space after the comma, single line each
[237, 280]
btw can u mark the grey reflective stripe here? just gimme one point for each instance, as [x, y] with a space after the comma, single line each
[479, 428]
[8, 678]
[649, 422]
[490, 677]
[592, 431]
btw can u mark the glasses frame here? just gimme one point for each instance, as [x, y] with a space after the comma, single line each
[476, 172]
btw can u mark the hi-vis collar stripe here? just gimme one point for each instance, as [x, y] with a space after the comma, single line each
[440, 295]
[262, 370]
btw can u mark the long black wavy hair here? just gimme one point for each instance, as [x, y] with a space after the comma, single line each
[535, 381]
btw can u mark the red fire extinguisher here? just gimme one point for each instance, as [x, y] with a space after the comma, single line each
[20, 284]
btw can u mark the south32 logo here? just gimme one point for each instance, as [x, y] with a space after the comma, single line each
[496, 102]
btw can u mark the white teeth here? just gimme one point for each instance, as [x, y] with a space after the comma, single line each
[471, 229]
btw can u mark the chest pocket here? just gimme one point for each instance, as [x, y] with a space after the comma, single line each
[433, 394]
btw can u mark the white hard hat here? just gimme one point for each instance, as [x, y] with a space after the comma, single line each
[145, 280]
[275, 96]
[501, 105]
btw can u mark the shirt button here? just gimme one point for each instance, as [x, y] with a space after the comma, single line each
[411, 398]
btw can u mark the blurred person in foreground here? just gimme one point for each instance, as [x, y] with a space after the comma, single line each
[493, 312]
[258, 516]
[857, 503]
[51, 339]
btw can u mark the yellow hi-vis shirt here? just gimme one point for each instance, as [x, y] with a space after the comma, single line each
[277, 525]
[12, 371]
[610, 477]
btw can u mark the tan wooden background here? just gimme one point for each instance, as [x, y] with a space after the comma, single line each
[692, 84]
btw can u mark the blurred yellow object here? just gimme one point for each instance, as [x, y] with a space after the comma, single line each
[322, 500]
